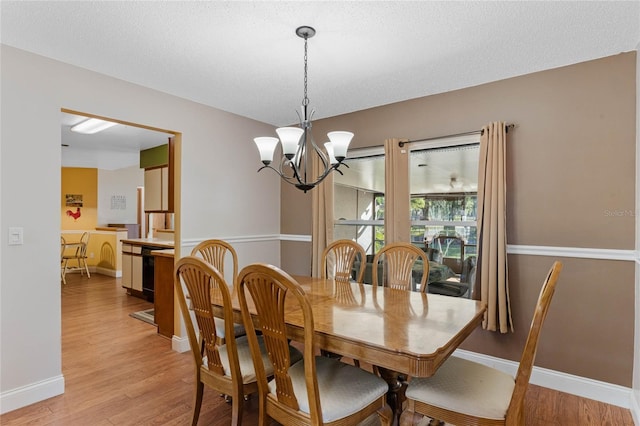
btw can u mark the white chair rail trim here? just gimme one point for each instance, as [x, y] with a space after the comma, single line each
[238, 239]
[551, 251]
[579, 252]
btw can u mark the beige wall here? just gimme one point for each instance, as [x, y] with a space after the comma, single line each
[571, 168]
[216, 197]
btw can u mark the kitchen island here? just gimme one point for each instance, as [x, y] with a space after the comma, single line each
[138, 265]
[163, 303]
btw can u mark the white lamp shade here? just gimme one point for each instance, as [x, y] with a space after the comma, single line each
[329, 148]
[266, 147]
[289, 137]
[340, 142]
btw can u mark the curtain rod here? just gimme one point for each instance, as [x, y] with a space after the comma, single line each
[475, 132]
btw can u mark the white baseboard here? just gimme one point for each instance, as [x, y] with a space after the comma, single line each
[180, 344]
[107, 272]
[30, 394]
[563, 382]
[99, 270]
[635, 408]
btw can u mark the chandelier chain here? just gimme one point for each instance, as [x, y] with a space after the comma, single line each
[305, 100]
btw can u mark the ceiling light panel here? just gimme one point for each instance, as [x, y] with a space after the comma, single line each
[92, 125]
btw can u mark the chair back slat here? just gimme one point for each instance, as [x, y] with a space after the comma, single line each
[215, 252]
[338, 259]
[399, 259]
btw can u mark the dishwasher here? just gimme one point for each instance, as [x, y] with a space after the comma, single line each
[147, 272]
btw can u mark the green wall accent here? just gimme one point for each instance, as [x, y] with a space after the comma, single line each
[156, 156]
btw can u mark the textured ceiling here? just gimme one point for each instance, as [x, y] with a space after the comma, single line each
[244, 57]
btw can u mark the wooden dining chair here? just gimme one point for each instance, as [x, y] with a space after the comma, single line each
[338, 259]
[398, 266]
[217, 253]
[451, 250]
[316, 390]
[79, 256]
[452, 255]
[463, 392]
[229, 367]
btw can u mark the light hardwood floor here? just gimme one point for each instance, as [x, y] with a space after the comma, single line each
[119, 371]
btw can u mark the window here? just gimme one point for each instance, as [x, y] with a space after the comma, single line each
[443, 177]
[444, 185]
[359, 199]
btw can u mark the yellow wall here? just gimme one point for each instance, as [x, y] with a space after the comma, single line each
[79, 181]
[104, 247]
[103, 251]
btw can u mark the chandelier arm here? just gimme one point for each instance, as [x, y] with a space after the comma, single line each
[288, 179]
[327, 172]
[323, 157]
[294, 168]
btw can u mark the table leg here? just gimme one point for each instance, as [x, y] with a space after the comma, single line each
[397, 387]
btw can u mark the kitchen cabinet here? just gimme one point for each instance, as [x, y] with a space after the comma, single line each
[157, 190]
[163, 299]
[132, 268]
[158, 177]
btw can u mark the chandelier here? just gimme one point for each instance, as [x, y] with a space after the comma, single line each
[298, 146]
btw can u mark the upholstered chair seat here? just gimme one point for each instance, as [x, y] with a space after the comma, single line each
[344, 389]
[466, 387]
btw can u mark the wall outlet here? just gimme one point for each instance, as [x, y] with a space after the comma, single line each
[91, 256]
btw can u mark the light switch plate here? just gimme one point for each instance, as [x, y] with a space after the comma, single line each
[16, 236]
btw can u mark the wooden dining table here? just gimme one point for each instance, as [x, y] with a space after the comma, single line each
[401, 333]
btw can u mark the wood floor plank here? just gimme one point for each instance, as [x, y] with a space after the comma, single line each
[119, 372]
